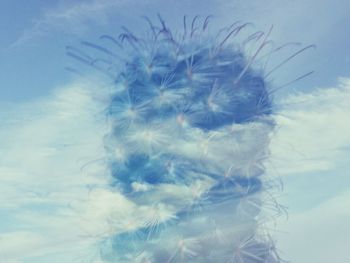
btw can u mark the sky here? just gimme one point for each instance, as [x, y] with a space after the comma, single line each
[32, 46]
[40, 102]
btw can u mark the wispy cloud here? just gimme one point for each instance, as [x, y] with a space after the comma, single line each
[313, 131]
[311, 149]
[69, 18]
[53, 191]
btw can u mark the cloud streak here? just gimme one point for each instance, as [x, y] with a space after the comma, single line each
[69, 18]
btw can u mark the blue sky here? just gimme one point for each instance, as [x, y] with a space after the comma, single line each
[34, 34]
[39, 102]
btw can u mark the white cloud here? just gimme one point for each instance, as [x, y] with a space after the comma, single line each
[11, 242]
[313, 138]
[51, 153]
[312, 131]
